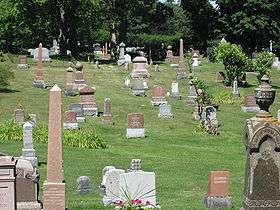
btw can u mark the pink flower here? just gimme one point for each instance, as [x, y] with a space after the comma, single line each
[136, 202]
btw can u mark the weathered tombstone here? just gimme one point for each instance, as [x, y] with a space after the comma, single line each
[169, 53]
[45, 55]
[140, 68]
[276, 63]
[195, 63]
[39, 78]
[157, 68]
[22, 64]
[165, 111]
[121, 60]
[7, 183]
[175, 94]
[218, 191]
[262, 145]
[145, 84]
[135, 165]
[19, 116]
[88, 101]
[111, 186]
[158, 96]
[107, 115]
[138, 88]
[235, 90]
[127, 58]
[135, 126]
[138, 185]
[84, 185]
[54, 188]
[79, 81]
[181, 71]
[78, 109]
[70, 86]
[70, 121]
[126, 83]
[28, 151]
[191, 99]
[209, 117]
[250, 104]
[220, 77]
[27, 186]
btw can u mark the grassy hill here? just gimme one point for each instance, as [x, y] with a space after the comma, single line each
[181, 158]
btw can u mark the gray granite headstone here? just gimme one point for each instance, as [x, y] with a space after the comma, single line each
[138, 88]
[84, 185]
[165, 111]
[78, 108]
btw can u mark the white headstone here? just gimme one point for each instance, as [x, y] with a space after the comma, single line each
[28, 152]
[127, 58]
[165, 111]
[138, 185]
[45, 54]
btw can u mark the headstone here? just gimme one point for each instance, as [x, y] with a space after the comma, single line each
[45, 55]
[262, 146]
[78, 109]
[140, 68]
[195, 63]
[127, 58]
[220, 77]
[270, 46]
[7, 183]
[145, 84]
[218, 191]
[22, 64]
[209, 117]
[157, 68]
[88, 101]
[84, 185]
[27, 186]
[175, 94]
[107, 115]
[191, 99]
[250, 104]
[28, 151]
[19, 116]
[135, 126]
[126, 83]
[39, 78]
[70, 121]
[158, 96]
[111, 186]
[235, 90]
[223, 40]
[182, 50]
[79, 81]
[165, 111]
[121, 60]
[135, 165]
[276, 63]
[138, 88]
[169, 53]
[70, 86]
[181, 71]
[55, 50]
[54, 188]
[138, 185]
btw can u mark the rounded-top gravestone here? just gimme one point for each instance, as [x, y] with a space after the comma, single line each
[84, 185]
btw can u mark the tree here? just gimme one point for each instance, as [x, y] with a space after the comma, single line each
[251, 23]
[204, 19]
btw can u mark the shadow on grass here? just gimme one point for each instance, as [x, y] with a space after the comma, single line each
[275, 87]
[7, 90]
[42, 163]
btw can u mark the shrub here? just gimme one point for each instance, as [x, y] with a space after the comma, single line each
[235, 61]
[223, 97]
[263, 64]
[6, 73]
[13, 132]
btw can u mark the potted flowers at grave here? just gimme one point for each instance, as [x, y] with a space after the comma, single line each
[136, 204]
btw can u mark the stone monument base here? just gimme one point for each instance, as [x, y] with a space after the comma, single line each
[40, 84]
[158, 102]
[23, 66]
[107, 119]
[217, 202]
[250, 109]
[33, 160]
[54, 196]
[139, 92]
[70, 92]
[135, 133]
[175, 96]
[81, 119]
[32, 205]
[70, 126]
[168, 116]
[91, 111]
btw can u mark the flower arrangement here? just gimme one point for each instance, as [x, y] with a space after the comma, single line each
[136, 204]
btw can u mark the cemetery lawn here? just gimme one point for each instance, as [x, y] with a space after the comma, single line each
[180, 157]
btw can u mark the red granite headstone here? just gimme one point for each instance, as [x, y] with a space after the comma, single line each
[135, 120]
[218, 185]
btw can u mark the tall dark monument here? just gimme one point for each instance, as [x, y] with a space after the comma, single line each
[262, 178]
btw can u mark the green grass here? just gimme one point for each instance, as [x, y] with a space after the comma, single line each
[181, 159]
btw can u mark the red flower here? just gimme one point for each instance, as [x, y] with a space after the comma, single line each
[136, 202]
